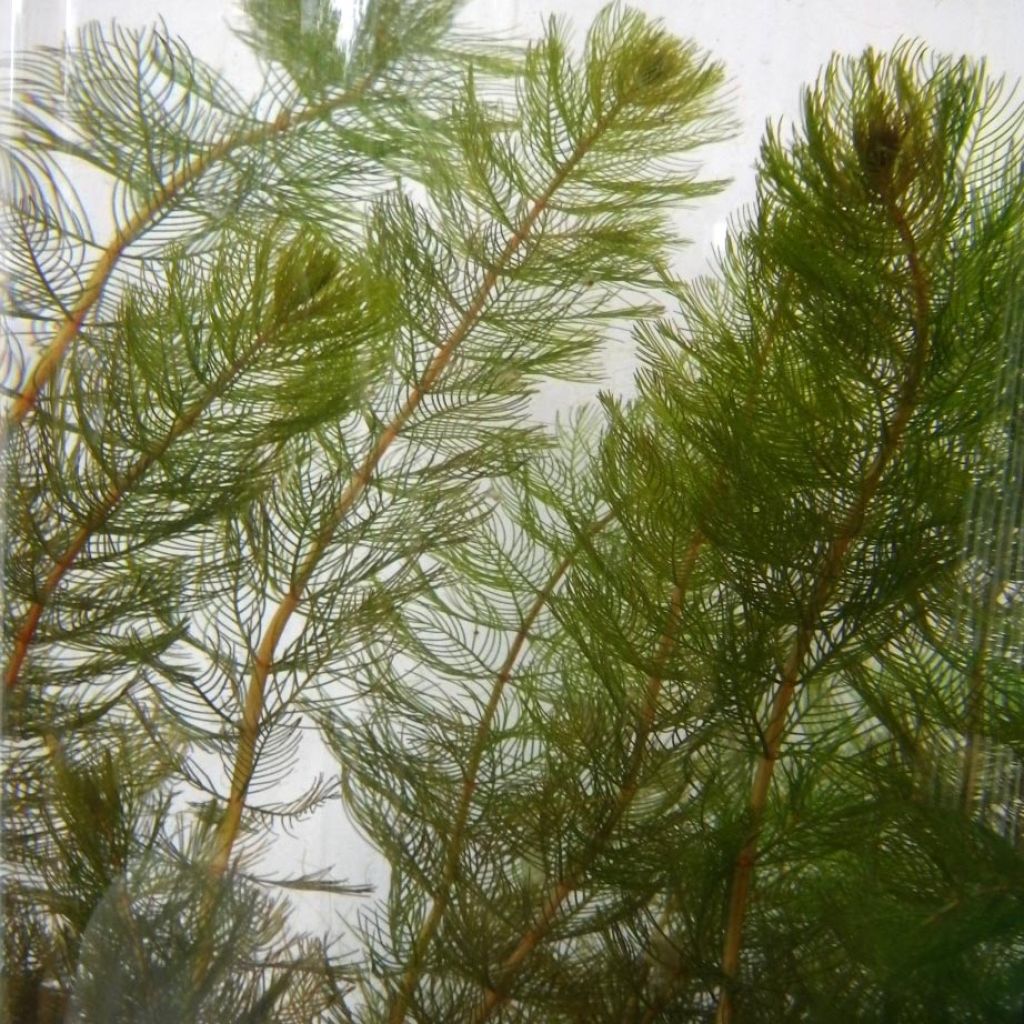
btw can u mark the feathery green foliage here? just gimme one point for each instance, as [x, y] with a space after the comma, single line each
[704, 705]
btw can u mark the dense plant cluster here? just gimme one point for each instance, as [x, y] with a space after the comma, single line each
[701, 705]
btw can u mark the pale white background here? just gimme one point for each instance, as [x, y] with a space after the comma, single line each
[770, 47]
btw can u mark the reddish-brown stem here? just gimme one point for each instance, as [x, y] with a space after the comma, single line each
[49, 359]
[109, 504]
[245, 759]
[564, 888]
[761, 356]
[566, 885]
[828, 577]
[457, 835]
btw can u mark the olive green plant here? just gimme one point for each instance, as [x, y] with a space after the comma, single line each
[701, 705]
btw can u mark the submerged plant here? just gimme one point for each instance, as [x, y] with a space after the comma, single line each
[701, 705]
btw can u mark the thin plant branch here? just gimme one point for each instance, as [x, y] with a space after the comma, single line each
[827, 580]
[453, 850]
[49, 360]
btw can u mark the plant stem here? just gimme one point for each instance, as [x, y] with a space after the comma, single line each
[245, 759]
[560, 892]
[48, 361]
[831, 568]
[762, 353]
[562, 889]
[457, 836]
[113, 498]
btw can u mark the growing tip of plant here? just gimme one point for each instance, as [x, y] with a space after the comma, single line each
[305, 268]
[879, 143]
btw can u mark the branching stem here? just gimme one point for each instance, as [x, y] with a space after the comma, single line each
[48, 361]
[116, 493]
[762, 353]
[563, 889]
[828, 576]
[566, 885]
[245, 759]
[457, 836]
